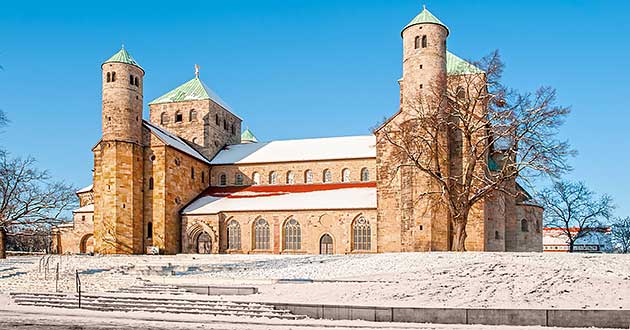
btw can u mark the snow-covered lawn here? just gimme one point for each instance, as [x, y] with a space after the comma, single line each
[502, 280]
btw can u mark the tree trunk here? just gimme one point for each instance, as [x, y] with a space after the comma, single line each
[3, 243]
[571, 243]
[459, 237]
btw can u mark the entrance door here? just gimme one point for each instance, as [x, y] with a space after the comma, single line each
[326, 244]
[204, 244]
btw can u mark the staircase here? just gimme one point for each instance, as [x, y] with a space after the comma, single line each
[152, 288]
[157, 304]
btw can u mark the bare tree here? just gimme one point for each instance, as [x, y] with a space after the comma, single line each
[621, 234]
[574, 209]
[28, 198]
[471, 121]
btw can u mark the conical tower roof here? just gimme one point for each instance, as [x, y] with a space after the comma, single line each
[122, 56]
[425, 17]
[248, 136]
[192, 90]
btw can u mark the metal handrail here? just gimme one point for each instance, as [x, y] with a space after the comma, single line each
[78, 286]
[57, 279]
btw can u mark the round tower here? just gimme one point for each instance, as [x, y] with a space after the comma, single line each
[424, 57]
[122, 98]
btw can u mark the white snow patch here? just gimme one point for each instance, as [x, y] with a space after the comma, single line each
[345, 147]
[85, 208]
[344, 198]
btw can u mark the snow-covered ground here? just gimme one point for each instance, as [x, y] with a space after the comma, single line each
[502, 280]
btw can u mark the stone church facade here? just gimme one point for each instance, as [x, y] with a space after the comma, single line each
[189, 181]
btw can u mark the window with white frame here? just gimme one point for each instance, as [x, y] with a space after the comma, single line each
[273, 177]
[290, 178]
[345, 175]
[292, 235]
[308, 176]
[234, 235]
[327, 176]
[261, 235]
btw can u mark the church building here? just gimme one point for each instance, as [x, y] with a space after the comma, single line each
[189, 180]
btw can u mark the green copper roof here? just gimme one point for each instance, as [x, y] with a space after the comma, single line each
[248, 136]
[123, 57]
[425, 17]
[192, 90]
[456, 65]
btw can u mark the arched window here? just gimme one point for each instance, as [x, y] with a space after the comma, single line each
[203, 177]
[233, 130]
[365, 174]
[327, 176]
[150, 230]
[292, 235]
[273, 177]
[234, 235]
[496, 235]
[345, 175]
[290, 178]
[361, 235]
[178, 117]
[163, 118]
[216, 119]
[524, 227]
[261, 235]
[256, 178]
[424, 41]
[222, 179]
[308, 176]
[150, 183]
[416, 42]
[130, 80]
[193, 115]
[109, 77]
[192, 173]
[238, 179]
[113, 76]
[135, 82]
[225, 125]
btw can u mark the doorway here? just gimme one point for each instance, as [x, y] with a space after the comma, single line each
[326, 244]
[204, 244]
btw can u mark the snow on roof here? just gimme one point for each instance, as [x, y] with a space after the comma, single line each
[174, 141]
[344, 147]
[285, 197]
[85, 189]
[86, 208]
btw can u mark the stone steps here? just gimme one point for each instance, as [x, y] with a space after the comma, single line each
[152, 304]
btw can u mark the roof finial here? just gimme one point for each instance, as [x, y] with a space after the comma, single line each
[424, 7]
[196, 71]
[122, 45]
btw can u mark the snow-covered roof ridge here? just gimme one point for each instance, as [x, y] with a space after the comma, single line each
[85, 189]
[85, 208]
[327, 148]
[174, 141]
[285, 197]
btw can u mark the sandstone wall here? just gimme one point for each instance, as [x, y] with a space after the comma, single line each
[313, 223]
[208, 131]
[297, 168]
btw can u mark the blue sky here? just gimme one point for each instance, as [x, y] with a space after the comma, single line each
[295, 69]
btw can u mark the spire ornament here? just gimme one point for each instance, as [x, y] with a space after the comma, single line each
[196, 71]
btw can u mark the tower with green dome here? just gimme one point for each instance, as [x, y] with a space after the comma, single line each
[118, 159]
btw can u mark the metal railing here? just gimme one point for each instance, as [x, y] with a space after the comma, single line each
[78, 286]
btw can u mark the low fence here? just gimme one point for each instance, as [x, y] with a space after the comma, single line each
[486, 316]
